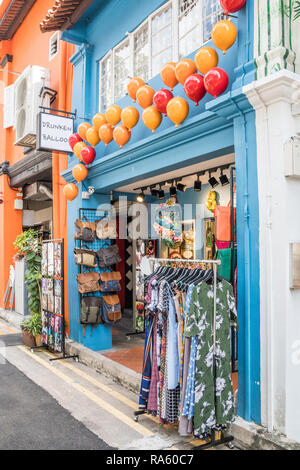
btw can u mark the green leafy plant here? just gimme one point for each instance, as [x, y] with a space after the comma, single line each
[29, 245]
[33, 324]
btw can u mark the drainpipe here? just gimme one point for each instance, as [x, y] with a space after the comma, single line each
[269, 270]
[58, 203]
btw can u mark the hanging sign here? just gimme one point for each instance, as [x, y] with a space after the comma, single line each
[54, 132]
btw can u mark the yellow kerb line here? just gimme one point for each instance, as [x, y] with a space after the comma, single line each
[103, 404]
[103, 387]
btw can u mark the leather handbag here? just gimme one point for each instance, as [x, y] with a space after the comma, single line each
[90, 311]
[111, 309]
[85, 231]
[223, 223]
[88, 282]
[108, 256]
[85, 257]
[110, 282]
[106, 229]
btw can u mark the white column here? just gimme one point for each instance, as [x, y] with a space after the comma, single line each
[279, 197]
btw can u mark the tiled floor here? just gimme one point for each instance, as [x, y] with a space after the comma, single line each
[129, 351]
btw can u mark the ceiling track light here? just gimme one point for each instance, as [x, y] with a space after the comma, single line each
[173, 190]
[212, 181]
[141, 197]
[161, 193]
[197, 184]
[181, 187]
[223, 179]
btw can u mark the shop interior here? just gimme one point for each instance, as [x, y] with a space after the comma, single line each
[194, 190]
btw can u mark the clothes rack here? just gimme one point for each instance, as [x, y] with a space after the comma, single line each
[217, 438]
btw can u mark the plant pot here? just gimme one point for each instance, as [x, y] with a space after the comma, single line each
[38, 340]
[28, 339]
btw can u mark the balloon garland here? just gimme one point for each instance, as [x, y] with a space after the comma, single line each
[116, 124]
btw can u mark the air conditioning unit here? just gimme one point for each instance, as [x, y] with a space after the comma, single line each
[27, 102]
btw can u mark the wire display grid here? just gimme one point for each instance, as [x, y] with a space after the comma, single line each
[93, 215]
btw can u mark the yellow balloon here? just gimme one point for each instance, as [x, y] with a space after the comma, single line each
[206, 59]
[152, 118]
[92, 136]
[224, 34]
[99, 120]
[130, 117]
[177, 110]
[82, 129]
[77, 149]
[113, 115]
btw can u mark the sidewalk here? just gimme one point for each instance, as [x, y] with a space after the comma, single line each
[123, 364]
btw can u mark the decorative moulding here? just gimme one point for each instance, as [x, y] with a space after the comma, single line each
[282, 86]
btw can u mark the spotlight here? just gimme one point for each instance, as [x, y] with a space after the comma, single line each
[141, 197]
[173, 190]
[154, 192]
[223, 179]
[212, 181]
[181, 187]
[161, 193]
[197, 184]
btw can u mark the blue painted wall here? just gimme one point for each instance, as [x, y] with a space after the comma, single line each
[213, 129]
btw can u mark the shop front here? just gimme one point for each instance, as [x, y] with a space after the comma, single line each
[210, 157]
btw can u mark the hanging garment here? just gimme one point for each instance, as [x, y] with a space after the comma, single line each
[152, 401]
[146, 375]
[213, 396]
[185, 425]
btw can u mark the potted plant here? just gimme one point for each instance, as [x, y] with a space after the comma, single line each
[28, 338]
[32, 330]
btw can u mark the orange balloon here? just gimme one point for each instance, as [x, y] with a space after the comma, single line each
[152, 118]
[92, 136]
[70, 191]
[130, 117]
[106, 133]
[178, 110]
[77, 149]
[144, 96]
[113, 115]
[168, 75]
[121, 135]
[79, 172]
[206, 59]
[82, 128]
[98, 120]
[224, 34]
[133, 86]
[184, 69]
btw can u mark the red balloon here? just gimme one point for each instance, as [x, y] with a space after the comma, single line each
[194, 88]
[231, 6]
[88, 155]
[161, 100]
[216, 81]
[74, 139]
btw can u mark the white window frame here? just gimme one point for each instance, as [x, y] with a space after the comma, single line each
[130, 38]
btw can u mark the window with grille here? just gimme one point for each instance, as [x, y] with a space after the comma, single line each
[141, 52]
[172, 32]
[53, 45]
[121, 69]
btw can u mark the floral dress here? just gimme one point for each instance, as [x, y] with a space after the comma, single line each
[213, 398]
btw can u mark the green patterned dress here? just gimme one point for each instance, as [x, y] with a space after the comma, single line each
[213, 399]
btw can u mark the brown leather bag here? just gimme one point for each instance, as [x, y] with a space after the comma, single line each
[110, 282]
[85, 257]
[88, 282]
[85, 231]
[111, 309]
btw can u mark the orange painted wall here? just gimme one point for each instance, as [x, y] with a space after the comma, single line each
[30, 46]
